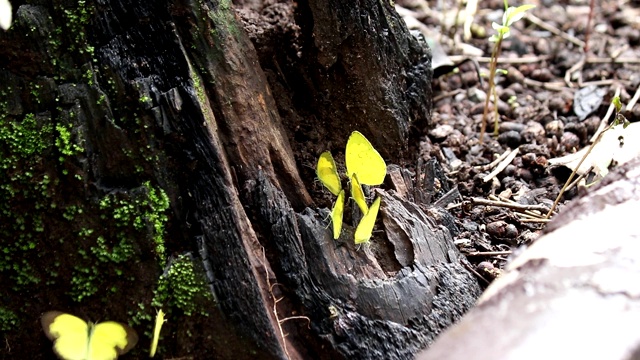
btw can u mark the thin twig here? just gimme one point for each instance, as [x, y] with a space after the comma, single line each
[475, 272]
[535, 220]
[509, 205]
[494, 163]
[447, 95]
[633, 100]
[593, 144]
[580, 177]
[535, 59]
[554, 30]
[554, 86]
[592, 5]
[620, 60]
[507, 160]
[576, 67]
[490, 253]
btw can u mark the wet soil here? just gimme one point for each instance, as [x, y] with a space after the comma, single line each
[552, 98]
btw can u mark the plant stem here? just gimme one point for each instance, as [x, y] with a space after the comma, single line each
[493, 66]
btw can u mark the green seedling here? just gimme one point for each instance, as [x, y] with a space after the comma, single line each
[619, 119]
[511, 15]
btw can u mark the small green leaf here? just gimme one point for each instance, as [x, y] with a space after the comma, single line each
[514, 14]
[616, 102]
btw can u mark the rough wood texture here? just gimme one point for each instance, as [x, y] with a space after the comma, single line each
[365, 303]
[573, 294]
[113, 103]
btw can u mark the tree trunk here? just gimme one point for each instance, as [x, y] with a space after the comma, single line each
[557, 296]
[136, 132]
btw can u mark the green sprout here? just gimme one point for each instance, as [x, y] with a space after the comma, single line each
[511, 15]
[619, 119]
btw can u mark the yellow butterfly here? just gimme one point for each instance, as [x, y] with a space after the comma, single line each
[75, 339]
[365, 227]
[156, 332]
[336, 215]
[358, 195]
[362, 159]
[328, 173]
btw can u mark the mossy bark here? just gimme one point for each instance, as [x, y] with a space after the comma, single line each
[135, 132]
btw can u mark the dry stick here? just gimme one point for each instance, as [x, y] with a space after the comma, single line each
[634, 100]
[555, 86]
[621, 60]
[605, 82]
[489, 253]
[593, 144]
[515, 206]
[474, 272]
[554, 30]
[492, 74]
[592, 5]
[574, 68]
[580, 177]
[275, 306]
[507, 160]
[535, 59]
[494, 163]
[535, 220]
[447, 95]
[516, 61]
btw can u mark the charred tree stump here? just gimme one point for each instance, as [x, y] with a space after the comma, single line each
[171, 97]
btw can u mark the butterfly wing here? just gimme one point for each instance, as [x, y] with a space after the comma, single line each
[110, 339]
[365, 227]
[69, 333]
[336, 215]
[362, 159]
[358, 195]
[327, 172]
[156, 332]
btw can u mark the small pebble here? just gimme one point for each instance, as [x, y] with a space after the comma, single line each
[570, 141]
[528, 159]
[533, 130]
[441, 131]
[577, 128]
[502, 229]
[542, 46]
[524, 174]
[554, 128]
[542, 74]
[510, 126]
[510, 138]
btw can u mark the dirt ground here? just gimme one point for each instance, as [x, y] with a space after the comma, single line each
[555, 94]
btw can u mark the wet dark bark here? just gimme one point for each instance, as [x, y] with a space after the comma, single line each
[172, 93]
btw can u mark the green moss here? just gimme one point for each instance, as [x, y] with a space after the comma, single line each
[142, 212]
[22, 183]
[76, 20]
[182, 288]
[8, 320]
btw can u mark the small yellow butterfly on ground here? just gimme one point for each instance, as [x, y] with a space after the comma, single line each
[156, 332]
[336, 215]
[75, 339]
[358, 195]
[362, 159]
[365, 227]
[328, 173]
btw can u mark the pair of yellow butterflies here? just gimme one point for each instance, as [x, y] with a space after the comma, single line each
[75, 339]
[364, 166]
